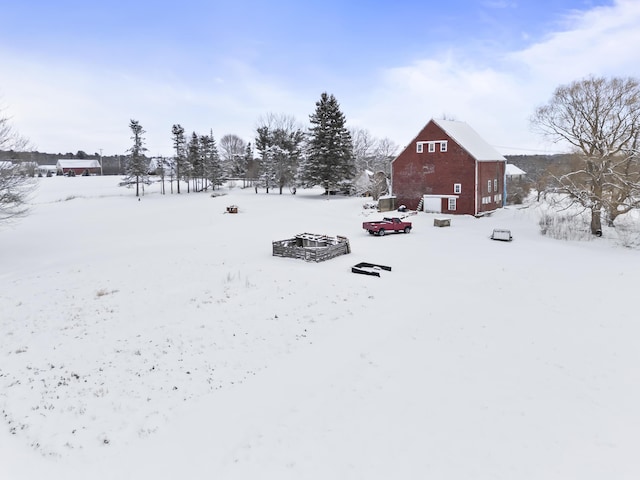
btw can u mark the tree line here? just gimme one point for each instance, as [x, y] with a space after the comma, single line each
[284, 154]
[597, 118]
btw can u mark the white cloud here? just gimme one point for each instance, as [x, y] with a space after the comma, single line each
[72, 108]
[68, 105]
[497, 97]
[601, 41]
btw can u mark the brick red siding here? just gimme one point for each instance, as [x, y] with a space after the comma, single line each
[435, 173]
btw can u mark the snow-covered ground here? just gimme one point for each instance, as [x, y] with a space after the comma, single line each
[161, 339]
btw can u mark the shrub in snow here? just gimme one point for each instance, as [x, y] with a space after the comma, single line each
[565, 226]
[627, 228]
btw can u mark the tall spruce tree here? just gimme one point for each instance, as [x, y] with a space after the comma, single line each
[179, 145]
[329, 161]
[137, 166]
[194, 160]
[211, 160]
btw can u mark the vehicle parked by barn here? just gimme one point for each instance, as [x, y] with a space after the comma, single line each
[387, 224]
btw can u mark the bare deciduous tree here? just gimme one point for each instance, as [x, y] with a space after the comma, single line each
[15, 186]
[600, 119]
[232, 152]
[373, 157]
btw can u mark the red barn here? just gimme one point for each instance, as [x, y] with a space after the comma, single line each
[78, 167]
[449, 168]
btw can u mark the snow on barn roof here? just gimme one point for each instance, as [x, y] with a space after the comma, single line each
[68, 163]
[469, 139]
[513, 170]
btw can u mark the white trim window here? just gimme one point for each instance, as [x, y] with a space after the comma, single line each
[457, 188]
[452, 204]
[489, 185]
[419, 147]
[495, 184]
[443, 146]
[432, 147]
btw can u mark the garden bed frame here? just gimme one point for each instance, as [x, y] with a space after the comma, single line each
[312, 247]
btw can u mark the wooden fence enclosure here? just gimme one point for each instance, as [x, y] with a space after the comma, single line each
[312, 247]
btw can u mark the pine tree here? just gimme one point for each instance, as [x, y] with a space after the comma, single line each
[137, 166]
[267, 175]
[329, 161]
[211, 161]
[194, 161]
[250, 167]
[179, 145]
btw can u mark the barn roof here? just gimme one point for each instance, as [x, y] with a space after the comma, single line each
[68, 163]
[511, 169]
[469, 139]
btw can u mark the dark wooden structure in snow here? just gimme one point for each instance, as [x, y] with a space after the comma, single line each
[441, 222]
[311, 247]
[448, 168]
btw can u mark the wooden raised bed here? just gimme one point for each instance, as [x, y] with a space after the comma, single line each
[311, 247]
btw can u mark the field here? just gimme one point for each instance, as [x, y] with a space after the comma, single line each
[159, 338]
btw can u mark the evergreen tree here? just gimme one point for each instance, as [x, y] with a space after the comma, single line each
[194, 161]
[211, 161]
[280, 152]
[267, 172]
[250, 166]
[179, 145]
[329, 161]
[137, 165]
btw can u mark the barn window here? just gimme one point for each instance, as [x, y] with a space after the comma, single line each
[419, 147]
[443, 146]
[432, 147]
[452, 204]
[457, 188]
[489, 185]
[495, 185]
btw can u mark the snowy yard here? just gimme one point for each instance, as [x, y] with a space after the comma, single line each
[161, 339]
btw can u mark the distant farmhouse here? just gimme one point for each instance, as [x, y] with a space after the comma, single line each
[65, 166]
[449, 168]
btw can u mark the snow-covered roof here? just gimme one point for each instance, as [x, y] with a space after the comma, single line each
[469, 139]
[513, 170]
[68, 163]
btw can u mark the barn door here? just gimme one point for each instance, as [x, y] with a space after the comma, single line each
[433, 204]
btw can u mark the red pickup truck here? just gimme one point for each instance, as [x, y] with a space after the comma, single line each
[387, 225]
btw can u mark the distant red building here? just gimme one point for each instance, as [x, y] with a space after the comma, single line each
[449, 168]
[78, 167]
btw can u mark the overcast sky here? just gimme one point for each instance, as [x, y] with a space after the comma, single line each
[73, 73]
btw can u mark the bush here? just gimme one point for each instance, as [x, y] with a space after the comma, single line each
[564, 226]
[627, 228]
